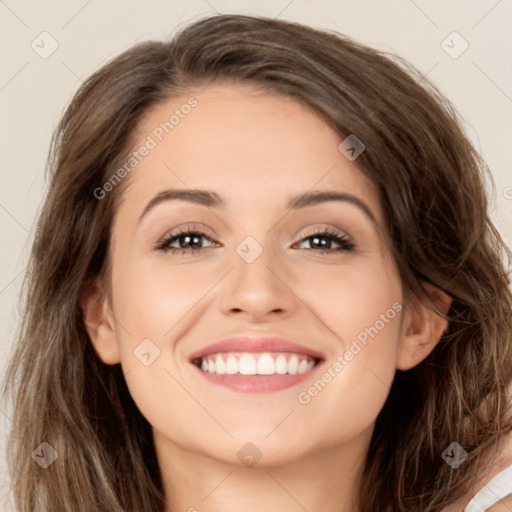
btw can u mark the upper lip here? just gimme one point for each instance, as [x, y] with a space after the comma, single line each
[255, 344]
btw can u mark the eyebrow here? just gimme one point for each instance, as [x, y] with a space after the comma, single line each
[211, 199]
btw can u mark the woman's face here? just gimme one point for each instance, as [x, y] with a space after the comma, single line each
[256, 266]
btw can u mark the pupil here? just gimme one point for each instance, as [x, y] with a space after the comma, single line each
[189, 238]
[321, 241]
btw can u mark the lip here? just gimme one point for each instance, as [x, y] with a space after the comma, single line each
[256, 383]
[255, 345]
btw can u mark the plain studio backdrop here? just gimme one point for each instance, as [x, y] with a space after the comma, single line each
[49, 48]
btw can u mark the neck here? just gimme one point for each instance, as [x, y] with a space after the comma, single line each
[325, 479]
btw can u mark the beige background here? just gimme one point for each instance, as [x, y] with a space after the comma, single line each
[35, 90]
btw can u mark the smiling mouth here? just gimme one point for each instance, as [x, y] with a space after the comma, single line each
[250, 363]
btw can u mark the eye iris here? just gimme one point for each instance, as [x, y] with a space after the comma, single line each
[190, 240]
[322, 242]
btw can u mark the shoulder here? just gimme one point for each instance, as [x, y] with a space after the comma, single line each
[504, 505]
[498, 464]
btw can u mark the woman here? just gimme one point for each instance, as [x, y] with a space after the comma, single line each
[264, 273]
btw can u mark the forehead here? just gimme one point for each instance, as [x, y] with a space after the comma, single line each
[248, 144]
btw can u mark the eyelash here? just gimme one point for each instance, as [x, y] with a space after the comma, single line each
[345, 244]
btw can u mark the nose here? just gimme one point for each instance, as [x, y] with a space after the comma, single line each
[258, 290]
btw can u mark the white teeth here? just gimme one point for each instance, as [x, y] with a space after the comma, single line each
[281, 365]
[220, 366]
[231, 365]
[247, 365]
[266, 365]
[293, 365]
[303, 366]
[257, 364]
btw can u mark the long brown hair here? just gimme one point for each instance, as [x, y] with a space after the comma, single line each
[432, 186]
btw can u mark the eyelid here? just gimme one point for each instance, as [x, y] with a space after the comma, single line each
[321, 227]
[304, 233]
[194, 226]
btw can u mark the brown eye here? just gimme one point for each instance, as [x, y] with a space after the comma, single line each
[190, 240]
[323, 241]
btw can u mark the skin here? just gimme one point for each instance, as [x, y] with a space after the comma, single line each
[255, 150]
[504, 505]
[498, 461]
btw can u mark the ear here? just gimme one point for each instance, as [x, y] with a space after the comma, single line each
[422, 328]
[99, 323]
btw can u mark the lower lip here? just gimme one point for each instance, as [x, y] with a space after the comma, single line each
[257, 383]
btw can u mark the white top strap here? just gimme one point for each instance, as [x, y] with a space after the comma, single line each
[499, 487]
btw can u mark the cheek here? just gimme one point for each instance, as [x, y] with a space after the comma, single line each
[350, 299]
[151, 299]
[360, 307]
[155, 305]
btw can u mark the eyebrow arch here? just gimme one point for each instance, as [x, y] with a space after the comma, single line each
[212, 199]
[313, 198]
[201, 197]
